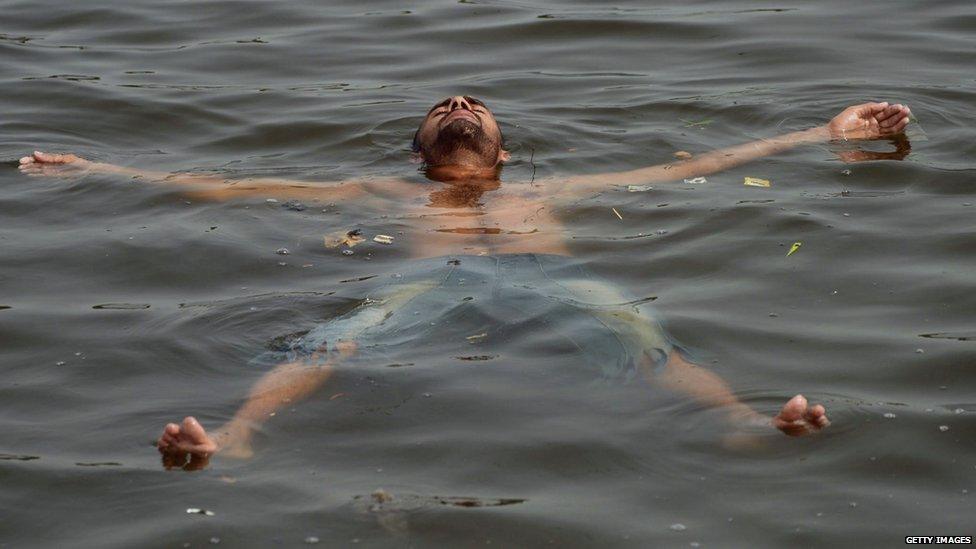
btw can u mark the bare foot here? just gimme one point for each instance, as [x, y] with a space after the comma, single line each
[49, 164]
[188, 445]
[797, 419]
[188, 440]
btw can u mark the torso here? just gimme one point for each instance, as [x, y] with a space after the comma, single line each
[455, 220]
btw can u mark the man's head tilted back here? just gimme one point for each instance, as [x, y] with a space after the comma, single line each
[460, 131]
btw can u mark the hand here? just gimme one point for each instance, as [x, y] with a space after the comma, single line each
[54, 165]
[869, 121]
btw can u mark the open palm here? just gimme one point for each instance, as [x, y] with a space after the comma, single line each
[869, 121]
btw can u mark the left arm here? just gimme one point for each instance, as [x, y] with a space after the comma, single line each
[867, 121]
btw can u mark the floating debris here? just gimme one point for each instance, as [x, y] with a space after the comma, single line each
[845, 172]
[311, 540]
[347, 252]
[337, 395]
[349, 238]
[383, 239]
[294, 206]
[696, 180]
[282, 251]
[60, 363]
[357, 279]
[477, 357]
[959, 336]
[639, 188]
[678, 527]
[682, 155]
[943, 428]
[381, 500]
[17, 457]
[122, 306]
[756, 182]
[271, 201]
[919, 351]
[615, 212]
[477, 336]
[99, 464]
[214, 540]
[700, 124]
[794, 248]
[196, 511]
[890, 415]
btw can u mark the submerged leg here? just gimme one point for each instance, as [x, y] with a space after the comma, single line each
[795, 419]
[286, 383]
[607, 303]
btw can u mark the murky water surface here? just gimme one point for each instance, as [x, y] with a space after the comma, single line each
[125, 305]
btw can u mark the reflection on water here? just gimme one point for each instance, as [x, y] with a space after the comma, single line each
[124, 305]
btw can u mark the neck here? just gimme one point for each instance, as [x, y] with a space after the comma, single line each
[459, 173]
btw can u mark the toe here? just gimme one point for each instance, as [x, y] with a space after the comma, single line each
[193, 430]
[793, 410]
[172, 429]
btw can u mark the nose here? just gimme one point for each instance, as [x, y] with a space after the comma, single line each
[459, 102]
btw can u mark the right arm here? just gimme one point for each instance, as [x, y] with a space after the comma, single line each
[209, 187]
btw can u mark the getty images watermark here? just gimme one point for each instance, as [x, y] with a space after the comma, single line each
[936, 540]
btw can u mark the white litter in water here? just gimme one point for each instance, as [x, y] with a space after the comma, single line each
[696, 180]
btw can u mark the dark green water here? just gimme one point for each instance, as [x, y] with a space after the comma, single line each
[335, 90]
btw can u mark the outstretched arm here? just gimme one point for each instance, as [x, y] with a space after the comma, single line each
[210, 187]
[867, 121]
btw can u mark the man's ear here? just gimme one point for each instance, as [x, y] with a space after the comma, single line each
[503, 155]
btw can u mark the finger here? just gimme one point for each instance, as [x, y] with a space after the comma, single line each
[899, 126]
[26, 160]
[887, 113]
[872, 108]
[895, 117]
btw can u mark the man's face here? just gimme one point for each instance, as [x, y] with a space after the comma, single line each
[460, 131]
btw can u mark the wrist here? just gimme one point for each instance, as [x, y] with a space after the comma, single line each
[819, 134]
